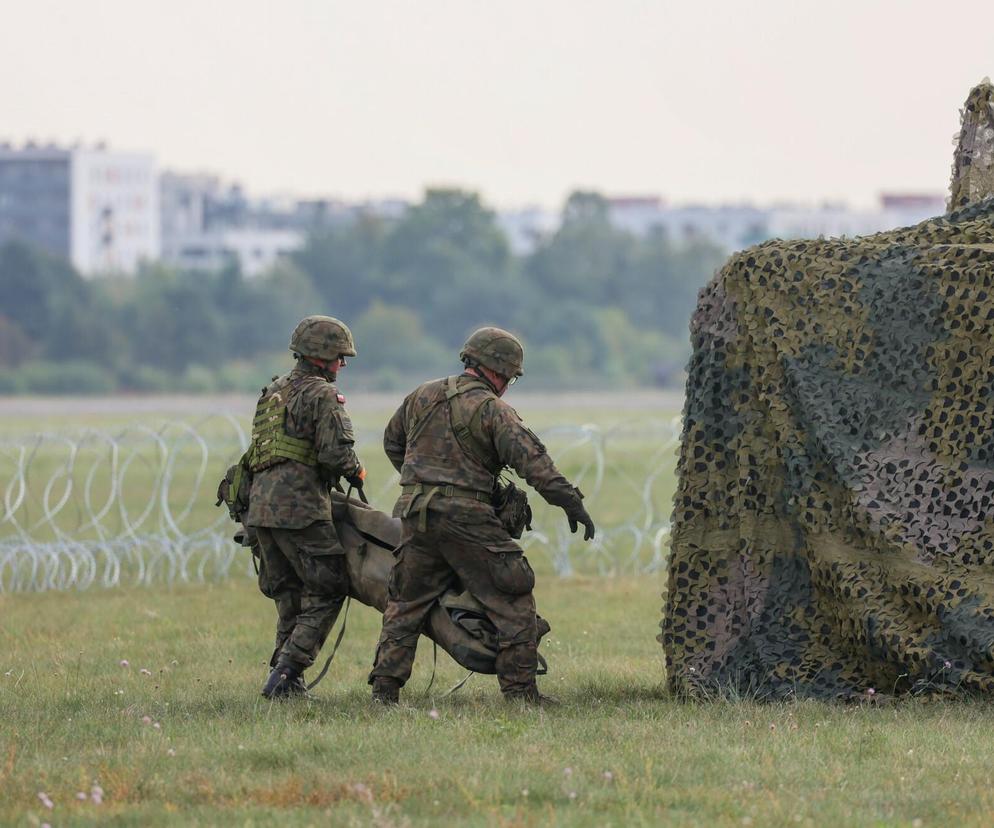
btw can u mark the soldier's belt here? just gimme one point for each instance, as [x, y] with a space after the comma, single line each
[431, 492]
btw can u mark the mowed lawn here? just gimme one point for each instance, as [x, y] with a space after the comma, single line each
[180, 735]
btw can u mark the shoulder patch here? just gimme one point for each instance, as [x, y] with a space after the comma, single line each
[340, 398]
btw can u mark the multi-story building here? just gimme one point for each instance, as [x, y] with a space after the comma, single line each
[95, 207]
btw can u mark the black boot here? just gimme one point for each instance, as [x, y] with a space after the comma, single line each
[530, 695]
[285, 681]
[386, 690]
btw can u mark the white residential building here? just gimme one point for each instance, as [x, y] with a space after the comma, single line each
[96, 207]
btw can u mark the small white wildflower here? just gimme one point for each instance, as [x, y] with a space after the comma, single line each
[567, 771]
[81, 796]
[157, 726]
[170, 752]
[871, 692]
[608, 776]
[125, 663]
[433, 713]
[947, 664]
[524, 791]
[572, 794]
[146, 720]
[44, 799]
[145, 671]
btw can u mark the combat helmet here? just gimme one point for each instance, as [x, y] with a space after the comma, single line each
[323, 337]
[497, 350]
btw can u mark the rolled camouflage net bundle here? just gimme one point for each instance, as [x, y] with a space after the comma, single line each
[973, 164]
[831, 530]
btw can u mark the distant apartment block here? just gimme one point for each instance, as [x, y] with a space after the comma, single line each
[96, 207]
[737, 226]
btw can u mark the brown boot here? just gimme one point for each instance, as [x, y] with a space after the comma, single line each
[530, 695]
[386, 690]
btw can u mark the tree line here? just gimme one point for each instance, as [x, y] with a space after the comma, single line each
[594, 305]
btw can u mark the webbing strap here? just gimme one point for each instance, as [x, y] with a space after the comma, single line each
[415, 489]
[341, 634]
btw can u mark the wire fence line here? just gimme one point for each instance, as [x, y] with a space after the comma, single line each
[103, 508]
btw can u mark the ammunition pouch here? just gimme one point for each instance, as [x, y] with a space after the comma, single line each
[233, 490]
[511, 505]
[271, 445]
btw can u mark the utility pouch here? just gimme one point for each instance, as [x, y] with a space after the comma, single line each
[233, 490]
[511, 572]
[511, 505]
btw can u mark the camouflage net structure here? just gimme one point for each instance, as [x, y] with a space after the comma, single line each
[134, 506]
[832, 529]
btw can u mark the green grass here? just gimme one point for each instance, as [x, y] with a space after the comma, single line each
[71, 716]
[617, 752]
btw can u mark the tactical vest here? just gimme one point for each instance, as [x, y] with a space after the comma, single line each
[445, 456]
[271, 445]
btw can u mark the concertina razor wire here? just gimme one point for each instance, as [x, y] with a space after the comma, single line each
[135, 506]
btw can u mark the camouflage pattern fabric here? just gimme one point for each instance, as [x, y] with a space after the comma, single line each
[459, 539]
[832, 525]
[973, 165]
[304, 572]
[498, 438]
[292, 495]
[477, 556]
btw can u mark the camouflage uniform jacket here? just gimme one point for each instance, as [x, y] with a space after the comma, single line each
[293, 495]
[434, 456]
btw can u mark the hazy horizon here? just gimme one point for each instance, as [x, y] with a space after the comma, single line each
[522, 102]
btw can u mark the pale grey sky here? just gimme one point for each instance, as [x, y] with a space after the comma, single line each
[523, 100]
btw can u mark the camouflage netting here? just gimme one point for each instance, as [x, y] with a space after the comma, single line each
[831, 526]
[973, 165]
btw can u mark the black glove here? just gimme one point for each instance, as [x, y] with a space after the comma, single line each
[355, 482]
[576, 514]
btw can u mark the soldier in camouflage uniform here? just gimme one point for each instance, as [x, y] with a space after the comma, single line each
[302, 442]
[450, 439]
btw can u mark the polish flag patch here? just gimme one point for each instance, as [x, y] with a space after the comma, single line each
[341, 398]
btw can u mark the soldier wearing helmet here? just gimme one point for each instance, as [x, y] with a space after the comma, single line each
[302, 442]
[450, 439]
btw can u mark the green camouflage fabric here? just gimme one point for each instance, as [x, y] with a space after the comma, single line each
[832, 535]
[496, 349]
[323, 337]
[973, 165]
[449, 539]
[478, 558]
[292, 495]
[435, 457]
[304, 571]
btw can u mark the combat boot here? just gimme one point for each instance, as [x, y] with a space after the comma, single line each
[285, 681]
[386, 690]
[531, 696]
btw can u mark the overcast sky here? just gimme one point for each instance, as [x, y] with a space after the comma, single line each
[524, 100]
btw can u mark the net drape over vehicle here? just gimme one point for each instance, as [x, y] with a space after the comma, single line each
[831, 529]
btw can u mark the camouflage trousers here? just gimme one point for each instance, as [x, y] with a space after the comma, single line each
[304, 572]
[483, 559]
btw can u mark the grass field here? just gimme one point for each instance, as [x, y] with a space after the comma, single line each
[180, 735]
[617, 751]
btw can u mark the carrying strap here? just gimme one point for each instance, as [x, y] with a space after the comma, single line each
[341, 634]
[461, 426]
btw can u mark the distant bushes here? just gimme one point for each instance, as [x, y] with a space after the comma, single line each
[595, 307]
